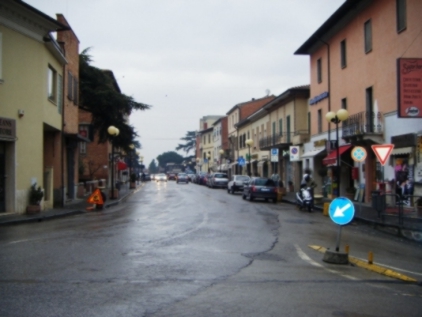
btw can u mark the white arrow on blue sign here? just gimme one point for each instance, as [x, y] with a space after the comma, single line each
[341, 210]
[241, 161]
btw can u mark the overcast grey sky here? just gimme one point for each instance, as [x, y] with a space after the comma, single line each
[191, 58]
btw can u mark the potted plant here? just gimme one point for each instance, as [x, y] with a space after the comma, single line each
[133, 180]
[35, 197]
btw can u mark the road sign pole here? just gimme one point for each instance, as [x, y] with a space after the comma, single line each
[338, 239]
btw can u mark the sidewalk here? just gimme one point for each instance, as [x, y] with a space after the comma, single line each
[77, 206]
[409, 225]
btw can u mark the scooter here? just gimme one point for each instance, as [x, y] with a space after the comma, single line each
[304, 199]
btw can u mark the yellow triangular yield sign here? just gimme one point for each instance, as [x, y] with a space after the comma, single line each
[96, 198]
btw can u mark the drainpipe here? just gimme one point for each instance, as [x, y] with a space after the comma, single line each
[329, 86]
[63, 148]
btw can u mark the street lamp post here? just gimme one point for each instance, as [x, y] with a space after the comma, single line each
[221, 157]
[130, 159]
[113, 131]
[249, 143]
[336, 118]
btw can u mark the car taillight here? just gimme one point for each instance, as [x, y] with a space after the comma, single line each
[253, 188]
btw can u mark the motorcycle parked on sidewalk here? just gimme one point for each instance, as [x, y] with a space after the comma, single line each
[304, 199]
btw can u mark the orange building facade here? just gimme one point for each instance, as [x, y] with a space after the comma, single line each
[354, 60]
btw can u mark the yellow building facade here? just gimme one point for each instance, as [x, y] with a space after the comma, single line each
[31, 76]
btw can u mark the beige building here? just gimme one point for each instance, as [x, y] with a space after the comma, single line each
[31, 105]
[235, 115]
[205, 143]
[278, 125]
[253, 128]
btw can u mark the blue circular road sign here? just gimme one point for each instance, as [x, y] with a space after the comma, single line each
[341, 210]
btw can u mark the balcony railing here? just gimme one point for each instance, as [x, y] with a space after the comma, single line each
[275, 140]
[362, 123]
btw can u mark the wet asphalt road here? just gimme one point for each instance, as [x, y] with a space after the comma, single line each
[186, 250]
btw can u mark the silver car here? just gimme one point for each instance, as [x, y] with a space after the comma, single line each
[236, 183]
[160, 178]
[217, 180]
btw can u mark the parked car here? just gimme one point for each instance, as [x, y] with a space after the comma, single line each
[182, 178]
[260, 187]
[161, 177]
[171, 176]
[191, 177]
[218, 180]
[147, 177]
[236, 183]
[201, 178]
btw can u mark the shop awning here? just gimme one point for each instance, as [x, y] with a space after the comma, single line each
[121, 166]
[312, 153]
[331, 158]
[402, 150]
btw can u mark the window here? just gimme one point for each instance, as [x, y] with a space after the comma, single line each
[344, 103]
[75, 91]
[369, 110]
[52, 84]
[319, 70]
[368, 36]
[343, 54]
[69, 85]
[60, 94]
[309, 122]
[319, 120]
[401, 15]
[288, 128]
[83, 131]
[280, 127]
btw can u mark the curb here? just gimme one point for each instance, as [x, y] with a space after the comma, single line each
[21, 219]
[372, 267]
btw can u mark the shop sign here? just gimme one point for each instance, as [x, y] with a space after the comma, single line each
[7, 129]
[318, 98]
[320, 143]
[409, 72]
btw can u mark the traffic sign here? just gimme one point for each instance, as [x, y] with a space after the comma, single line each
[241, 161]
[383, 151]
[274, 155]
[358, 154]
[96, 198]
[341, 210]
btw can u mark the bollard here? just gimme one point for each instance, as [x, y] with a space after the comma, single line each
[370, 257]
[346, 249]
[325, 210]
